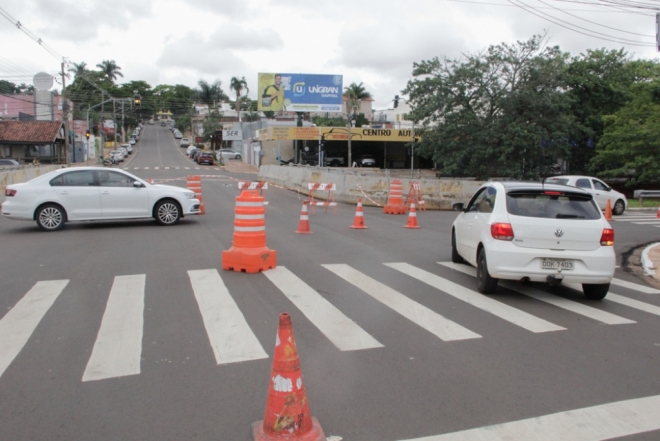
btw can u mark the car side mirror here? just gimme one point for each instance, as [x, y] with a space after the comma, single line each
[459, 206]
[138, 184]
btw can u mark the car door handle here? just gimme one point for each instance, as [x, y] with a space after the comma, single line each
[105, 192]
[64, 192]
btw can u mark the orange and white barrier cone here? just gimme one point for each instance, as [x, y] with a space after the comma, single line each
[249, 253]
[358, 221]
[151, 181]
[608, 211]
[395, 200]
[287, 415]
[194, 184]
[202, 208]
[303, 225]
[658, 213]
[412, 218]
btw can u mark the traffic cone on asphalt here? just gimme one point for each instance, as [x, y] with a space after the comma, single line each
[249, 253]
[412, 217]
[608, 211]
[303, 225]
[358, 221]
[151, 181]
[202, 208]
[395, 200]
[287, 415]
[658, 213]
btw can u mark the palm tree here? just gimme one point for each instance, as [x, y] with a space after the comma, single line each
[78, 69]
[110, 69]
[354, 94]
[210, 93]
[237, 85]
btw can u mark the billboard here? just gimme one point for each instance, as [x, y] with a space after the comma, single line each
[300, 92]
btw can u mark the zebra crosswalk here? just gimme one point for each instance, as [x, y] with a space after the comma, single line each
[172, 168]
[117, 350]
[639, 218]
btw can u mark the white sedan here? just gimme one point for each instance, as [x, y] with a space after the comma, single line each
[535, 232]
[600, 191]
[92, 193]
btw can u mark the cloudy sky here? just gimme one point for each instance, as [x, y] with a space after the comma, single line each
[366, 41]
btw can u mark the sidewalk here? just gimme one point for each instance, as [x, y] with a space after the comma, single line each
[240, 167]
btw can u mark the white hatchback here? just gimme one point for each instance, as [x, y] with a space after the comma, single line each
[600, 191]
[535, 232]
[92, 193]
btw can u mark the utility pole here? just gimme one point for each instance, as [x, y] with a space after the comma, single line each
[65, 116]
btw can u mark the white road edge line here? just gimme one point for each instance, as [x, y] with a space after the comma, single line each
[19, 323]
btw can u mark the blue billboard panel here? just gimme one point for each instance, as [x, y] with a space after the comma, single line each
[300, 92]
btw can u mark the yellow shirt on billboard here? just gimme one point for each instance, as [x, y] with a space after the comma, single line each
[273, 96]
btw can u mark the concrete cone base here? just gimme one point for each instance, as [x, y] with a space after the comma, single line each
[316, 434]
[249, 260]
[394, 209]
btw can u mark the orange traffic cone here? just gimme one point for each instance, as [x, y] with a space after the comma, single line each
[395, 201]
[249, 253]
[608, 211]
[658, 213]
[287, 415]
[412, 218]
[358, 221]
[202, 208]
[151, 181]
[303, 225]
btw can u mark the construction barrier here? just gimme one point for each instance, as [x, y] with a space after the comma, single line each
[415, 196]
[412, 218]
[303, 224]
[608, 210]
[194, 184]
[287, 415]
[358, 221]
[249, 252]
[329, 199]
[395, 203]
[254, 185]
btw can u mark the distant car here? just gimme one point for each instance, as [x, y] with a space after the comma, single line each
[205, 158]
[535, 232]
[132, 141]
[178, 135]
[118, 155]
[9, 162]
[190, 150]
[125, 151]
[230, 154]
[128, 148]
[195, 154]
[367, 161]
[185, 142]
[162, 124]
[600, 191]
[91, 193]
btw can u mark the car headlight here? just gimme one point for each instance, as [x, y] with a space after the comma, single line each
[190, 195]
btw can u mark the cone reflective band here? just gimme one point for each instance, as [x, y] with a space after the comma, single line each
[395, 200]
[358, 221]
[303, 225]
[287, 415]
[412, 218]
[249, 252]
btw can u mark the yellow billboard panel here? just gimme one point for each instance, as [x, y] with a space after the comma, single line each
[336, 134]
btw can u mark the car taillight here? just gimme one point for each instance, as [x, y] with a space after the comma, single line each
[607, 238]
[501, 231]
[10, 192]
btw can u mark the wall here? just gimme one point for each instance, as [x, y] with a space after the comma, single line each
[373, 187]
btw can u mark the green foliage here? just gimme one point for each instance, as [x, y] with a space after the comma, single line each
[7, 88]
[211, 124]
[322, 121]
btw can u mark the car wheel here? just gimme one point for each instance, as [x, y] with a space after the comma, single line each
[485, 283]
[51, 217]
[618, 208]
[167, 212]
[237, 157]
[455, 257]
[595, 292]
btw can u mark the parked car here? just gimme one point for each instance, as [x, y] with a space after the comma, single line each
[91, 193]
[600, 191]
[195, 154]
[367, 161]
[190, 150]
[163, 124]
[118, 155]
[132, 141]
[124, 150]
[128, 148]
[185, 142]
[178, 135]
[536, 232]
[4, 162]
[230, 154]
[205, 158]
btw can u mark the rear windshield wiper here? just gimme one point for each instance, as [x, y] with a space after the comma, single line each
[568, 216]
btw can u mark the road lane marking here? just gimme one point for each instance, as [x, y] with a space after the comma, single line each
[230, 335]
[635, 286]
[616, 298]
[118, 347]
[560, 302]
[343, 332]
[146, 168]
[499, 309]
[19, 323]
[419, 314]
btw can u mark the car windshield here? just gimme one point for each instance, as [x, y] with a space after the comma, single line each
[551, 205]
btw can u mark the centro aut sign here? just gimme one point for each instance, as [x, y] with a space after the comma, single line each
[300, 92]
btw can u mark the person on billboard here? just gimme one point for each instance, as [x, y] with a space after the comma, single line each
[273, 96]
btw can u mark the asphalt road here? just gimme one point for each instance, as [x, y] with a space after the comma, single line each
[417, 354]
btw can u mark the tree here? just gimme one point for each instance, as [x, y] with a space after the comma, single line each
[210, 93]
[78, 69]
[211, 124]
[110, 69]
[500, 112]
[237, 85]
[355, 93]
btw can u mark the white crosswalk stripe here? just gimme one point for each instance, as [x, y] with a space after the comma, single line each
[19, 323]
[499, 309]
[616, 298]
[635, 286]
[419, 314]
[118, 347]
[339, 329]
[230, 335]
[560, 302]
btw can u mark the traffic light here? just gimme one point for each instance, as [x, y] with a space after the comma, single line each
[137, 100]
[87, 134]
[396, 101]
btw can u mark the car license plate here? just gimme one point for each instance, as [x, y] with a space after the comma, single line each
[557, 264]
